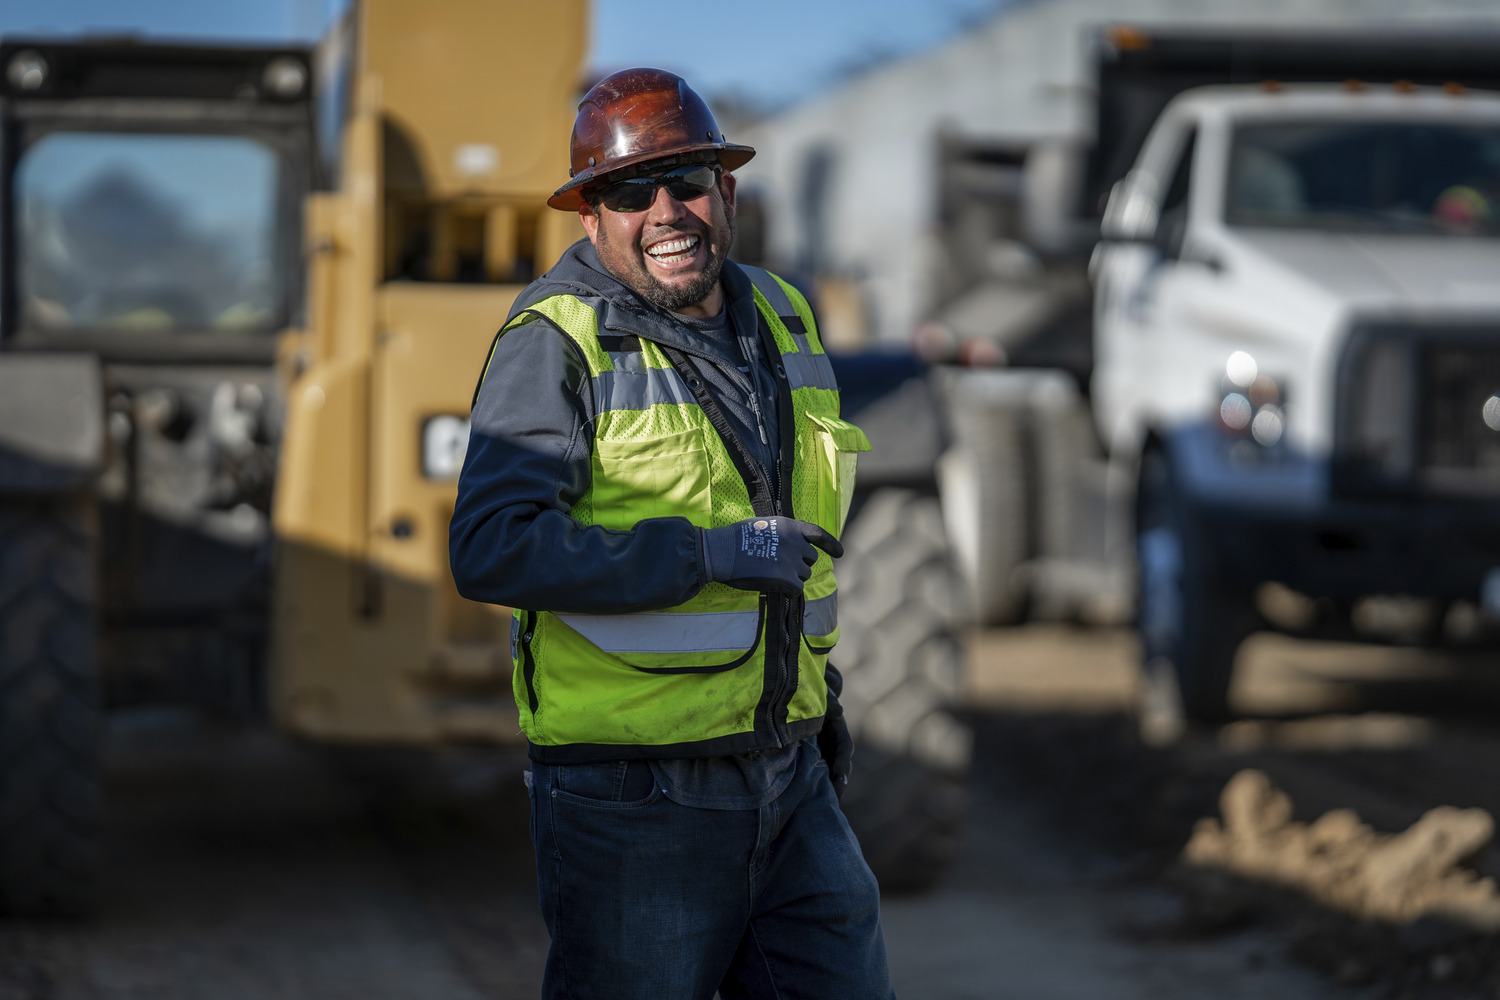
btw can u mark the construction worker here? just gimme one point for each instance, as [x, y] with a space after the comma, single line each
[654, 481]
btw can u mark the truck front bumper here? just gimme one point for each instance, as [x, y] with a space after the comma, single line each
[1271, 515]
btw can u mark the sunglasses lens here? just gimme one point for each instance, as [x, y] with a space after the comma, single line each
[689, 182]
[637, 193]
[634, 195]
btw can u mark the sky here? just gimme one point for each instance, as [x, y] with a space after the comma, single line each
[769, 53]
[773, 52]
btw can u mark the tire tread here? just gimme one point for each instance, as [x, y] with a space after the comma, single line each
[49, 708]
[901, 655]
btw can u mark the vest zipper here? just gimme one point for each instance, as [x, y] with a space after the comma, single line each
[785, 673]
[760, 420]
[790, 655]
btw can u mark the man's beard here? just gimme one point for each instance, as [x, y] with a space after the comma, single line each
[673, 298]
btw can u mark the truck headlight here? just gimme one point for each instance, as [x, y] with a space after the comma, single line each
[1268, 425]
[1250, 401]
[445, 439]
[1234, 411]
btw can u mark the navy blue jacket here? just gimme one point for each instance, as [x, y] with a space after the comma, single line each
[511, 540]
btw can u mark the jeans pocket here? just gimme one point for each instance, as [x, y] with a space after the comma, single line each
[614, 785]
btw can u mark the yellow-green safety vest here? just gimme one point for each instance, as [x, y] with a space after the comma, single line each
[695, 679]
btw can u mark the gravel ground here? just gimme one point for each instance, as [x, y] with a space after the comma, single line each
[243, 866]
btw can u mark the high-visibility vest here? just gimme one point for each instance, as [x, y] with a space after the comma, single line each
[704, 677]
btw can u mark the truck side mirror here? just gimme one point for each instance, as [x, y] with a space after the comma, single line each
[1130, 214]
[1112, 228]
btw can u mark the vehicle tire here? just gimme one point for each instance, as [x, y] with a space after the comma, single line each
[49, 708]
[1189, 618]
[901, 655]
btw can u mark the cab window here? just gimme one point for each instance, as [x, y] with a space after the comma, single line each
[1173, 210]
[146, 232]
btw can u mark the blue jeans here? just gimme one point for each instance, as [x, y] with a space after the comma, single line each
[648, 899]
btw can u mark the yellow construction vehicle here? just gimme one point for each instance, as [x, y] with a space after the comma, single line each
[459, 120]
[244, 297]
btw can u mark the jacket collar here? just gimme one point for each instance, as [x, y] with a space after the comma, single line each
[622, 310]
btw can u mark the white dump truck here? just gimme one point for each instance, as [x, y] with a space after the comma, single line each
[1288, 414]
[1297, 361]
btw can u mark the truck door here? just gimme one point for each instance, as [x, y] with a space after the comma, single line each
[1155, 361]
[1134, 265]
[1181, 353]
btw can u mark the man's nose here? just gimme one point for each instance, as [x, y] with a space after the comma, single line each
[664, 208]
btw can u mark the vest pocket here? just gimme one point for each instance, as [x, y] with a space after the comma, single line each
[836, 445]
[662, 474]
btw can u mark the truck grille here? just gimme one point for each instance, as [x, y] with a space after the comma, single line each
[1460, 449]
[1414, 411]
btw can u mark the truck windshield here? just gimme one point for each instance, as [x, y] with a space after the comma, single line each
[1400, 177]
[140, 232]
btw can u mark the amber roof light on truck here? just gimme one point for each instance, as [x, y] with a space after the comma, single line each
[1126, 38]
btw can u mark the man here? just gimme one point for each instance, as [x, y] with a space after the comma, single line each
[655, 477]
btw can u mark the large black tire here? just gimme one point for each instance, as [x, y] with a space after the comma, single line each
[901, 655]
[1191, 619]
[49, 708]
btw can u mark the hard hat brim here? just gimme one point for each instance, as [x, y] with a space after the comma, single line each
[569, 198]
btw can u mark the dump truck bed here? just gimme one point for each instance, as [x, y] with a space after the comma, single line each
[1140, 70]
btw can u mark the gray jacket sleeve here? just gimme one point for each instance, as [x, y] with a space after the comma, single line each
[512, 540]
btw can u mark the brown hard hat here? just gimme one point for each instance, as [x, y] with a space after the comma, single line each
[638, 115]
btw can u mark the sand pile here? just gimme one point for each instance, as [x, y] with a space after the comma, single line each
[1343, 864]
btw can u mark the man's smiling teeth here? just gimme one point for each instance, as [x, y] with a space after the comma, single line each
[672, 251]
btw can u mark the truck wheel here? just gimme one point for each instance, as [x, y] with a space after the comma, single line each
[902, 660]
[1189, 619]
[49, 708]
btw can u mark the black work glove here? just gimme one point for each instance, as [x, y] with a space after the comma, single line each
[834, 741]
[766, 553]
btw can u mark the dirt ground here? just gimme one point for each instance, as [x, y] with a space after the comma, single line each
[242, 866]
[1389, 733]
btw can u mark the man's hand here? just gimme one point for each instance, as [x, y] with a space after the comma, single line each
[766, 553]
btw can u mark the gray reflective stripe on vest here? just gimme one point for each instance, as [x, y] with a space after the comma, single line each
[776, 297]
[771, 290]
[821, 617]
[627, 361]
[640, 390]
[658, 632]
[809, 371]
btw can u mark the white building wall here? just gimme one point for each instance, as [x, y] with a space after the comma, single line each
[1024, 76]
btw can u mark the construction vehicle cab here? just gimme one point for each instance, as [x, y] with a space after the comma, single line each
[244, 295]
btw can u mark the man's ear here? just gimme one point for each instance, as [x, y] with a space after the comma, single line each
[726, 188]
[590, 220]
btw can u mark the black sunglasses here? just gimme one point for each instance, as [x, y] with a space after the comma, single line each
[635, 194]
